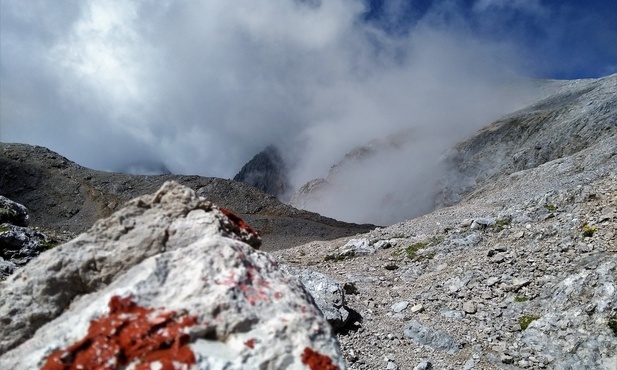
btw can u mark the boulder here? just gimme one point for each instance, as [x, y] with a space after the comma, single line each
[13, 212]
[18, 243]
[169, 281]
[328, 294]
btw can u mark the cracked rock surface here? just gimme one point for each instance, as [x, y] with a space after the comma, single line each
[163, 257]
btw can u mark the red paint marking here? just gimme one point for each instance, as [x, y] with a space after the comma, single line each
[250, 343]
[239, 223]
[128, 333]
[316, 361]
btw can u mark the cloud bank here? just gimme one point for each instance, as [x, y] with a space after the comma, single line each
[202, 86]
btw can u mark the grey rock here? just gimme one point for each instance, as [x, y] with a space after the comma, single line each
[63, 196]
[506, 359]
[360, 247]
[453, 314]
[382, 244]
[482, 223]
[328, 294]
[492, 281]
[424, 365]
[171, 251]
[6, 268]
[391, 366]
[13, 213]
[19, 245]
[469, 307]
[429, 337]
[399, 306]
[518, 283]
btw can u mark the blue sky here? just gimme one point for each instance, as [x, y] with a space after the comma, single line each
[201, 86]
[562, 39]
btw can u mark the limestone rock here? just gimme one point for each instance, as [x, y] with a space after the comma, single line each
[328, 294]
[429, 337]
[18, 245]
[399, 306]
[166, 263]
[13, 213]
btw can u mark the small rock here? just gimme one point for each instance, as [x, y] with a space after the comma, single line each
[518, 283]
[392, 366]
[469, 307]
[492, 281]
[424, 365]
[400, 306]
[506, 359]
[350, 288]
[417, 308]
[427, 336]
[382, 244]
[483, 223]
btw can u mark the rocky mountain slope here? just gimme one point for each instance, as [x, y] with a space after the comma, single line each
[562, 118]
[63, 196]
[520, 273]
[576, 116]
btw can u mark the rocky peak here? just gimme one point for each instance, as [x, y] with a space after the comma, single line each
[266, 171]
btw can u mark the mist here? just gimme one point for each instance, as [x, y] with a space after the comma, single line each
[200, 87]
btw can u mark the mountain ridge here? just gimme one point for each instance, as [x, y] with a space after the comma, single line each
[63, 195]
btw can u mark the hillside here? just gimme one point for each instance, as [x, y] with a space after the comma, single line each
[411, 176]
[64, 196]
[517, 269]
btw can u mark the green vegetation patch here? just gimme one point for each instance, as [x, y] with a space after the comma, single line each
[520, 299]
[588, 231]
[550, 207]
[4, 229]
[336, 257]
[412, 249]
[526, 320]
[501, 225]
[48, 245]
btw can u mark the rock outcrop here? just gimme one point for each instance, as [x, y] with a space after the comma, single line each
[18, 243]
[166, 282]
[13, 213]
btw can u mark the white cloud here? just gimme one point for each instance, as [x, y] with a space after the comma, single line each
[204, 85]
[532, 7]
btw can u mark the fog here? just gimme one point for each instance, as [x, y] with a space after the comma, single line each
[200, 87]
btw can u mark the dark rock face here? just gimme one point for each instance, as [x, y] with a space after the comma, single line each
[266, 171]
[62, 195]
[18, 243]
[12, 212]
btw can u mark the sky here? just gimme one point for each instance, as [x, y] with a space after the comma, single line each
[200, 87]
